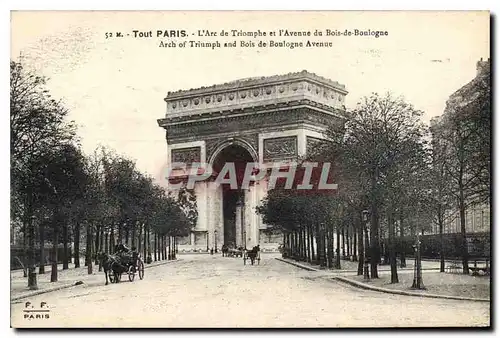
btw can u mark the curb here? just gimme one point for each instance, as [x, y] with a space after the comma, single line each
[163, 263]
[405, 293]
[66, 286]
[39, 292]
[305, 267]
[384, 290]
[344, 271]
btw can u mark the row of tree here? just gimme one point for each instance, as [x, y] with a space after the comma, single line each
[60, 195]
[396, 177]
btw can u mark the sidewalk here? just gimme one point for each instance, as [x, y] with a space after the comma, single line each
[437, 284]
[448, 284]
[349, 267]
[65, 279]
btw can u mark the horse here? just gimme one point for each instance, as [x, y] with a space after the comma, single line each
[252, 254]
[111, 264]
[225, 250]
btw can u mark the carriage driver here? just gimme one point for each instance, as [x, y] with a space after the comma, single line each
[121, 248]
[124, 253]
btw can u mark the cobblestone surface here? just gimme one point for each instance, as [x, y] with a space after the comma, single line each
[212, 291]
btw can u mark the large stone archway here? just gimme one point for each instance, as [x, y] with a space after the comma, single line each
[267, 120]
[234, 229]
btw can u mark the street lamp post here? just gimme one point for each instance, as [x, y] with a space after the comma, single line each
[366, 270]
[418, 283]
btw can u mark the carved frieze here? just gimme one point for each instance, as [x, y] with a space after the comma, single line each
[256, 92]
[313, 145]
[211, 145]
[239, 124]
[186, 155]
[280, 148]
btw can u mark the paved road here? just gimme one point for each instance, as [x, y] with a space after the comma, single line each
[210, 291]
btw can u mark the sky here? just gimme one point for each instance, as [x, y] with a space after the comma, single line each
[115, 87]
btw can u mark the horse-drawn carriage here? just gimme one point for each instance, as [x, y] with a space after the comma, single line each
[230, 251]
[123, 261]
[252, 255]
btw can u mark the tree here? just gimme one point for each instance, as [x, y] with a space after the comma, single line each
[442, 200]
[65, 183]
[376, 143]
[38, 124]
[463, 136]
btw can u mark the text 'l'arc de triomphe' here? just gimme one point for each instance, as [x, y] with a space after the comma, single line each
[264, 120]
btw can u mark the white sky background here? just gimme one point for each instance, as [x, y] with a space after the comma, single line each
[115, 88]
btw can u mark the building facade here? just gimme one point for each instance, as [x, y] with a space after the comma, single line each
[268, 120]
[477, 216]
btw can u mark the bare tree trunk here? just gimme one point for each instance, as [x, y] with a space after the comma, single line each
[66, 257]
[343, 242]
[329, 246]
[32, 280]
[106, 242]
[337, 256]
[441, 240]
[149, 242]
[97, 242]
[354, 244]
[55, 239]
[311, 238]
[77, 244]
[155, 237]
[145, 241]
[165, 245]
[374, 242]
[139, 238]
[134, 230]
[392, 249]
[402, 246]
[161, 253]
[88, 250]
[374, 226]
[348, 241]
[41, 267]
[465, 251]
[361, 250]
[308, 244]
[112, 238]
[169, 244]
[120, 232]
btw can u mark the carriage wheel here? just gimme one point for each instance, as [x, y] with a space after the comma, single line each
[131, 273]
[140, 269]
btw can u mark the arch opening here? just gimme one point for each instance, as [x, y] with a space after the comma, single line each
[232, 199]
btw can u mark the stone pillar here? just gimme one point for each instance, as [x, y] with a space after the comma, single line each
[251, 217]
[239, 229]
[210, 192]
[192, 239]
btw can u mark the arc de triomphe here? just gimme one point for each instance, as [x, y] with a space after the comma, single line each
[265, 120]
